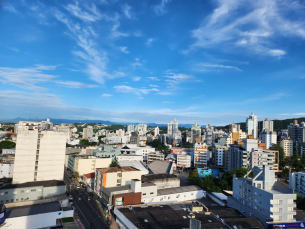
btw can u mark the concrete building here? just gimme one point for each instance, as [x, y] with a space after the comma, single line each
[208, 134]
[162, 181]
[29, 125]
[116, 140]
[157, 167]
[173, 133]
[220, 156]
[297, 182]
[143, 151]
[265, 125]
[107, 151]
[252, 126]
[40, 154]
[88, 132]
[8, 151]
[297, 131]
[84, 164]
[112, 177]
[200, 154]
[141, 129]
[120, 132]
[300, 147]
[287, 145]
[184, 160]
[135, 164]
[269, 138]
[195, 132]
[6, 169]
[89, 179]
[129, 157]
[155, 156]
[10, 193]
[130, 128]
[43, 215]
[262, 198]
[157, 131]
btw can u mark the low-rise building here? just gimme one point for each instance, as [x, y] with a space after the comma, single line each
[162, 180]
[8, 151]
[107, 151]
[135, 164]
[262, 198]
[155, 156]
[157, 167]
[143, 151]
[129, 157]
[89, 179]
[184, 160]
[87, 164]
[116, 140]
[6, 169]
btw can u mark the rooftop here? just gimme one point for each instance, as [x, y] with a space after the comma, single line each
[90, 175]
[147, 184]
[182, 189]
[7, 184]
[119, 188]
[32, 209]
[157, 167]
[116, 169]
[161, 176]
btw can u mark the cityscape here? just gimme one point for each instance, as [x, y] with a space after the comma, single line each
[152, 114]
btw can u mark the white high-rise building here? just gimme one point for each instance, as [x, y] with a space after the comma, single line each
[120, 132]
[269, 138]
[252, 125]
[141, 129]
[172, 130]
[130, 128]
[157, 131]
[195, 132]
[88, 132]
[200, 154]
[266, 125]
[287, 145]
[40, 154]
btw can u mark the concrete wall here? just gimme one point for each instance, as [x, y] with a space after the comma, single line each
[149, 191]
[177, 197]
[102, 163]
[128, 198]
[166, 183]
[128, 176]
[6, 170]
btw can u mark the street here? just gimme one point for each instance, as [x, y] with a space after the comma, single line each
[87, 211]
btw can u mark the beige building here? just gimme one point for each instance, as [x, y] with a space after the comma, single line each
[129, 157]
[287, 145]
[183, 159]
[114, 176]
[275, 159]
[84, 164]
[40, 155]
[200, 154]
[155, 156]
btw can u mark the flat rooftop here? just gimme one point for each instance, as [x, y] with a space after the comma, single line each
[177, 190]
[47, 183]
[119, 188]
[116, 169]
[32, 210]
[161, 176]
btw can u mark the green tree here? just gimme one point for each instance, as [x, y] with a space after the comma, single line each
[189, 145]
[210, 148]
[7, 145]
[114, 163]
[281, 158]
[84, 142]
[76, 174]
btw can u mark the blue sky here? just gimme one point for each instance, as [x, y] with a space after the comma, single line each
[211, 62]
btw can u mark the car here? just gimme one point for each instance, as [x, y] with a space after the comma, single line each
[70, 197]
[89, 198]
[77, 186]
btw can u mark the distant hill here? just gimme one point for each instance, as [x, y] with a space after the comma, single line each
[278, 125]
[68, 121]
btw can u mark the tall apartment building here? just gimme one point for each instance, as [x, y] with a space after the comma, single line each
[130, 128]
[88, 132]
[141, 128]
[40, 153]
[297, 131]
[220, 156]
[157, 131]
[287, 145]
[234, 127]
[120, 132]
[269, 138]
[297, 182]
[265, 125]
[173, 131]
[208, 133]
[262, 198]
[195, 132]
[200, 154]
[252, 125]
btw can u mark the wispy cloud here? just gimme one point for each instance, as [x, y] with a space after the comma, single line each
[209, 67]
[161, 8]
[153, 78]
[26, 78]
[136, 63]
[9, 7]
[115, 33]
[168, 102]
[89, 14]
[106, 95]
[74, 84]
[127, 11]
[124, 49]
[136, 91]
[149, 41]
[14, 49]
[176, 78]
[152, 85]
[88, 53]
[136, 78]
[251, 25]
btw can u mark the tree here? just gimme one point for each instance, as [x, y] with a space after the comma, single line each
[210, 148]
[114, 163]
[189, 145]
[84, 142]
[7, 145]
[279, 148]
[68, 145]
[76, 174]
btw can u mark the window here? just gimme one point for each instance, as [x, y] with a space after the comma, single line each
[22, 191]
[33, 190]
[144, 194]
[6, 192]
[12, 200]
[6, 201]
[151, 193]
[39, 190]
[2, 194]
[21, 199]
[17, 200]
[15, 192]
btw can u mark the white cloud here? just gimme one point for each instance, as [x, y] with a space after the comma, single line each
[90, 14]
[137, 78]
[176, 78]
[116, 33]
[127, 11]
[73, 84]
[9, 8]
[160, 9]
[26, 78]
[149, 41]
[136, 63]
[136, 91]
[168, 102]
[152, 85]
[89, 53]
[106, 95]
[251, 25]
[124, 49]
[14, 49]
[207, 66]
[153, 78]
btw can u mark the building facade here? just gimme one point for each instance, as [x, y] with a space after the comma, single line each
[297, 182]
[200, 154]
[184, 160]
[287, 145]
[195, 132]
[269, 138]
[252, 126]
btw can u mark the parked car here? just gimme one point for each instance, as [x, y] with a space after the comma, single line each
[89, 198]
[70, 197]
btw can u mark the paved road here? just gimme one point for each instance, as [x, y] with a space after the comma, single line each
[87, 211]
